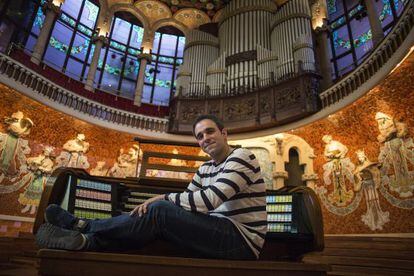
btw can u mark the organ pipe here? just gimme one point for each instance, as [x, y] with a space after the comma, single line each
[245, 25]
[257, 44]
[200, 51]
[291, 37]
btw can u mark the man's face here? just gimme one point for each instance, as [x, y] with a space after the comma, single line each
[211, 140]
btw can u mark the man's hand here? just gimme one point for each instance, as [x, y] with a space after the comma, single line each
[142, 208]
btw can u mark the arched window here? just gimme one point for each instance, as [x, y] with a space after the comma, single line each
[69, 48]
[351, 34]
[294, 169]
[119, 61]
[160, 75]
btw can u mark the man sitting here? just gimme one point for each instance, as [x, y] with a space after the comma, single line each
[221, 214]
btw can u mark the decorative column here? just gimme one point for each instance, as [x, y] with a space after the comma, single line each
[279, 174]
[143, 58]
[51, 11]
[374, 22]
[99, 41]
[322, 49]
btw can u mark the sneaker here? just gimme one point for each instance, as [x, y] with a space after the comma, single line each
[51, 236]
[58, 216]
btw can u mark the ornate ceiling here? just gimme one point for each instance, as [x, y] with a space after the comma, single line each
[191, 13]
[210, 7]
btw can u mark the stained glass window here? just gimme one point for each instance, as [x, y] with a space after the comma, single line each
[167, 54]
[57, 49]
[89, 14]
[72, 7]
[121, 64]
[136, 36]
[168, 45]
[69, 47]
[351, 38]
[361, 32]
[121, 31]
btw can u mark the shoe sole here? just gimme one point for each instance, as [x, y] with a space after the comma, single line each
[51, 236]
[56, 224]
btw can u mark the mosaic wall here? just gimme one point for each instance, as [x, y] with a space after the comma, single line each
[35, 140]
[364, 159]
[360, 160]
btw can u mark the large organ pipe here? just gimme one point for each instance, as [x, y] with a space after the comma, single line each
[216, 76]
[257, 45]
[303, 53]
[200, 51]
[245, 25]
[293, 20]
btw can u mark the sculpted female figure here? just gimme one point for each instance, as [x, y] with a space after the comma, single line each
[337, 170]
[368, 178]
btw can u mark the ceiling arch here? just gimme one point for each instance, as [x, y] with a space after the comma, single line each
[153, 10]
[192, 18]
[133, 10]
[170, 22]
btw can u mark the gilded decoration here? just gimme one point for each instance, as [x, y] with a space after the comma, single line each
[397, 159]
[14, 149]
[338, 174]
[243, 109]
[191, 111]
[100, 169]
[207, 6]
[154, 10]
[73, 153]
[265, 102]
[126, 163]
[214, 108]
[368, 179]
[192, 18]
[396, 155]
[287, 97]
[40, 167]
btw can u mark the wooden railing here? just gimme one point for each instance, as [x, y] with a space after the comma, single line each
[288, 100]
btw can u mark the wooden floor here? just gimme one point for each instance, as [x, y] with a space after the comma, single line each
[350, 255]
[18, 256]
[346, 255]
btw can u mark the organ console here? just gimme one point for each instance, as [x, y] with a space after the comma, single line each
[294, 216]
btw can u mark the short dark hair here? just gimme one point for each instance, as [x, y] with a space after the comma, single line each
[211, 117]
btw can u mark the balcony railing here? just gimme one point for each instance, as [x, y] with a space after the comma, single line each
[41, 87]
[248, 84]
[401, 33]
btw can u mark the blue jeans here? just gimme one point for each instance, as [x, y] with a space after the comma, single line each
[209, 236]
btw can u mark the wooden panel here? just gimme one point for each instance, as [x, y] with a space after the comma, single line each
[59, 262]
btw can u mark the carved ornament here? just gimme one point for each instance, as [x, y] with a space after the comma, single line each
[241, 57]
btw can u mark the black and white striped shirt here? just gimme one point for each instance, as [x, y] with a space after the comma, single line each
[233, 189]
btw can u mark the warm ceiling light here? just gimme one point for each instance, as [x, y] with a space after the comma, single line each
[57, 3]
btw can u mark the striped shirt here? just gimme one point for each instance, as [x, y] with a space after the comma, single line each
[233, 189]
